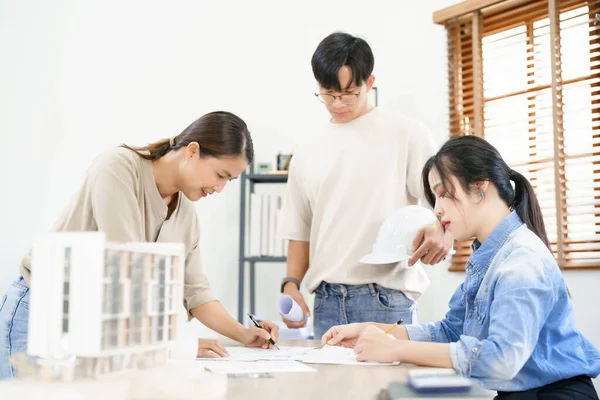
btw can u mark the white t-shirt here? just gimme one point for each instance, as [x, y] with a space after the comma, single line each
[342, 185]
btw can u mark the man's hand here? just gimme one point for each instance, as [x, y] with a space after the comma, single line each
[292, 290]
[431, 245]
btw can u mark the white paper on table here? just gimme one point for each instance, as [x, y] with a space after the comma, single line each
[310, 355]
[256, 367]
[336, 355]
[285, 353]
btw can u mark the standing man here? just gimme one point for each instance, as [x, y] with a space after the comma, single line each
[364, 164]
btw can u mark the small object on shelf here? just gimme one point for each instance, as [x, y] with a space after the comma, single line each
[283, 162]
[263, 167]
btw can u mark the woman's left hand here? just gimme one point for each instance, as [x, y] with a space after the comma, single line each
[375, 345]
[256, 337]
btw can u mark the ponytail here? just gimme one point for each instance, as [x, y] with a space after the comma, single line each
[525, 203]
[153, 151]
[219, 133]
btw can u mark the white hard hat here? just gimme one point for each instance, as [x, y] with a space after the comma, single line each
[396, 234]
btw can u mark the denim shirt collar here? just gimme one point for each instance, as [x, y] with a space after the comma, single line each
[483, 253]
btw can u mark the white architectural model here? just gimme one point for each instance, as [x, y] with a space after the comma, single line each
[98, 307]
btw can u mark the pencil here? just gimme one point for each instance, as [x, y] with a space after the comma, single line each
[388, 330]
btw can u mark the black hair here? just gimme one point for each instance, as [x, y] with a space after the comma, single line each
[337, 50]
[472, 159]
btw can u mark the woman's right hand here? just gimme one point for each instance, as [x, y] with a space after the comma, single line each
[344, 335]
[211, 348]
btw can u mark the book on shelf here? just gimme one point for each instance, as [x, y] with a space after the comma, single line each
[265, 215]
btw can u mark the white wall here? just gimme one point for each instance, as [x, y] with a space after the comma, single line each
[79, 77]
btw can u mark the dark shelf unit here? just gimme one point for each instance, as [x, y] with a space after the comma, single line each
[248, 181]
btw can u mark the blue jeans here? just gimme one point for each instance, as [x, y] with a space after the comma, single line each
[14, 314]
[344, 304]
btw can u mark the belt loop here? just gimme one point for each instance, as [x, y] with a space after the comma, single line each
[372, 289]
[325, 288]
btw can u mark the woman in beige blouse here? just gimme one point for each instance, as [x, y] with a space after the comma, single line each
[147, 194]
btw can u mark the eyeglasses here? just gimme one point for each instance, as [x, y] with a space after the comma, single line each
[346, 99]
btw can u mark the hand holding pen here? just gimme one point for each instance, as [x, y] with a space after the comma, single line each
[262, 335]
[375, 344]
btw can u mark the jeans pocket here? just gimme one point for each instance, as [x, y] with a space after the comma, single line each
[389, 300]
[319, 301]
[19, 328]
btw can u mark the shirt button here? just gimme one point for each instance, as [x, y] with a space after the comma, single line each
[474, 350]
[478, 318]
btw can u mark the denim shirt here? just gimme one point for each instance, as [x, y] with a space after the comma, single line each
[510, 324]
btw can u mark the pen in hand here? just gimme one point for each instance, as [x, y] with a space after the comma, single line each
[388, 330]
[255, 322]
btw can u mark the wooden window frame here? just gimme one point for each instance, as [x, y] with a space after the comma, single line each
[465, 30]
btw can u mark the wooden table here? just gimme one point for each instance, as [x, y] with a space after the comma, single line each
[329, 382]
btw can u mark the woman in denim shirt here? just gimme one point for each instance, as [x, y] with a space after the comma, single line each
[510, 325]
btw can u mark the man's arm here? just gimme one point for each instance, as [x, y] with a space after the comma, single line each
[297, 265]
[295, 226]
